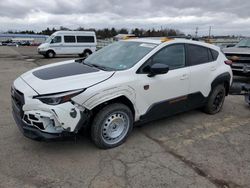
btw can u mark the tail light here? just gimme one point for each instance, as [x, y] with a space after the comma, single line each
[228, 62]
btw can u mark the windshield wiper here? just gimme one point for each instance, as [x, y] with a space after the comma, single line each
[244, 46]
[93, 65]
[100, 67]
[82, 61]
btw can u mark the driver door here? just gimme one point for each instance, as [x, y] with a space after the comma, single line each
[164, 94]
[56, 44]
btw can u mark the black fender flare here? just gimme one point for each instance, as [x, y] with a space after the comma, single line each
[223, 78]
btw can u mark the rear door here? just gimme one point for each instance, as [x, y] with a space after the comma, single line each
[202, 65]
[86, 42]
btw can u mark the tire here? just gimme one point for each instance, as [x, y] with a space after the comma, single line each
[50, 54]
[111, 126]
[87, 54]
[215, 100]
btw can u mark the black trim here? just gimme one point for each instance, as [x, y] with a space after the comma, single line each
[221, 79]
[173, 106]
[64, 70]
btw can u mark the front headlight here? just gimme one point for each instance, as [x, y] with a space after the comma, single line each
[58, 98]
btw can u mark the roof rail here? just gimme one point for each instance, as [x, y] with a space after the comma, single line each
[189, 37]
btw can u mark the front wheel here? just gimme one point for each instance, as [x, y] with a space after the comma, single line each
[215, 100]
[112, 125]
[50, 54]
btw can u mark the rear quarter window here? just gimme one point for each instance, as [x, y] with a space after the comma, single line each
[215, 54]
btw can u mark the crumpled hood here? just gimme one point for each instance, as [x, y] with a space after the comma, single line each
[64, 76]
[235, 50]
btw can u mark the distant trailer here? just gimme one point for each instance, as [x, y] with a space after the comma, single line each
[22, 39]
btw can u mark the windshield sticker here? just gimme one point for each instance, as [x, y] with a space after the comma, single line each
[148, 45]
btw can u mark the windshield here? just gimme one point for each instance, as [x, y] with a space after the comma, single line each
[49, 39]
[244, 43]
[120, 55]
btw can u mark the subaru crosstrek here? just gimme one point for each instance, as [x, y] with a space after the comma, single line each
[126, 83]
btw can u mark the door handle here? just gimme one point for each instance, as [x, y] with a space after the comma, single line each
[184, 77]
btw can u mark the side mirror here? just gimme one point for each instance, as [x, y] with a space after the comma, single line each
[158, 68]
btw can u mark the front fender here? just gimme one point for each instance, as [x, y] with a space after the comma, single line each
[109, 94]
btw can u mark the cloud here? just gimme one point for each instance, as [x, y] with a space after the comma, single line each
[225, 16]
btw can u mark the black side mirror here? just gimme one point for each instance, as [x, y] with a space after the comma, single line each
[158, 68]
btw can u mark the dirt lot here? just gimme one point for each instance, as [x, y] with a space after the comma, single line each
[192, 149]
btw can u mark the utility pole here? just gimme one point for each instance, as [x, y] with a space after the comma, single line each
[209, 33]
[196, 32]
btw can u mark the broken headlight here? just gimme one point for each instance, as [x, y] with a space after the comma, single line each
[58, 98]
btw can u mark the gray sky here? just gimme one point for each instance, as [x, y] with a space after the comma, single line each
[225, 16]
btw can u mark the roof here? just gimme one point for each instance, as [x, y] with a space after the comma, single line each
[160, 40]
[22, 35]
[74, 32]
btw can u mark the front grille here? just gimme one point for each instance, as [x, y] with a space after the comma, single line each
[18, 100]
[239, 58]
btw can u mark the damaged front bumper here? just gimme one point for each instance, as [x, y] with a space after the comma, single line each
[35, 133]
[39, 121]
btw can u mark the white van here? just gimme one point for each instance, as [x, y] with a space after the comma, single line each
[82, 43]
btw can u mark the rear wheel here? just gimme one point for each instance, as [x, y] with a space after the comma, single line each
[112, 125]
[215, 100]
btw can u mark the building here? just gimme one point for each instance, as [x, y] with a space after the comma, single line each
[23, 37]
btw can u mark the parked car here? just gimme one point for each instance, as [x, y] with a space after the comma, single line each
[7, 42]
[128, 82]
[82, 43]
[11, 44]
[24, 43]
[240, 56]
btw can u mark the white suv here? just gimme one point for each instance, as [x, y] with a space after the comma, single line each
[126, 83]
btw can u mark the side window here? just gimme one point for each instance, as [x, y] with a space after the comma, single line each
[198, 55]
[85, 39]
[56, 39]
[173, 56]
[69, 39]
